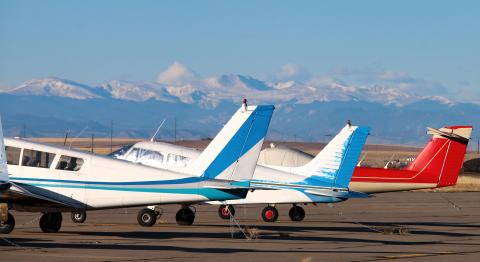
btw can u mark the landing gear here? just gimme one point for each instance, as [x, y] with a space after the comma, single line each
[51, 222]
[296, 213]
[225, 211]
[270, 214]
[78, 217]
[7, 226]
[147, 217]
[185, 216]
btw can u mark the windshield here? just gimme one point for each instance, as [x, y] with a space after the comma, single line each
[121, 151]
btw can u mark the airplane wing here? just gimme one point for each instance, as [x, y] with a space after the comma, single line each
[4, 186]
[26, 194]
[229, 185]
[337, 193]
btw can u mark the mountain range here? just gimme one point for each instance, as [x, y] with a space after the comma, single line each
[307, 109]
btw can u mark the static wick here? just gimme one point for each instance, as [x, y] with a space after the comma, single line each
[245, 104]
[349, 123]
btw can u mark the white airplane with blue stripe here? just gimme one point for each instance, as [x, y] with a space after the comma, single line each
[323, 180]
[50, 179]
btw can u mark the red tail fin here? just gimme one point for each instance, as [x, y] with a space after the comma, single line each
[443, 156]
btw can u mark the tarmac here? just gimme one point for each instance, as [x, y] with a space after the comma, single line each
[408, 226]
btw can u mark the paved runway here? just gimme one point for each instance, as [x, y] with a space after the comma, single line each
[407, 226]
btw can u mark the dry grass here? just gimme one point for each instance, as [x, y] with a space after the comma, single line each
[465, 183]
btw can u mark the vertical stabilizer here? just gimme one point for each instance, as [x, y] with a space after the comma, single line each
[442, 158]
[336, 162]
[233, 153]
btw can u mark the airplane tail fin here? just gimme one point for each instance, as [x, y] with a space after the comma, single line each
[233, 153]
[336, 162]
[4, 179]
[442, 158]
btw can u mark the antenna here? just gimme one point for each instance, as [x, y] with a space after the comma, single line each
[66, 137]
[391, 158]
[174, 130]
[158, 129]
[79, 134]
[361, 160]
[111, 136]
[92, 142]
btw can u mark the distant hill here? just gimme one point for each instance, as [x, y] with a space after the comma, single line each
[48, 107]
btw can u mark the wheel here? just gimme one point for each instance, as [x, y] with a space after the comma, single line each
[185, 216]
[269, 214]
[51, 222]
[7, 226]
[147, 217]
[296, 213]
[224, 212]
[78, 217]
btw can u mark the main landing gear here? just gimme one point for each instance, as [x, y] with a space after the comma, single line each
[51, 222]
[225, 211]
[147, 217]
[78, 216]
[185, 216]
[296, 213]
[7, 226]
[270, 214]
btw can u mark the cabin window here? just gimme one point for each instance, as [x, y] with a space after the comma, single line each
[69, 163]
[13, 155]
[177, 160]
[37, 158]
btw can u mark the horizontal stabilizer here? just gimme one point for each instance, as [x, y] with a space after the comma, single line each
[336, 193]
[459, 134]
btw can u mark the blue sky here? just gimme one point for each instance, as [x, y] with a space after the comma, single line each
[97, 41]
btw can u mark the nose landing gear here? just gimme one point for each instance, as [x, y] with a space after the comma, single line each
[78, 217]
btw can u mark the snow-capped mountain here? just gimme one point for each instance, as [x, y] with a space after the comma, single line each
[52, 86]
[179, 83]
[398, 108]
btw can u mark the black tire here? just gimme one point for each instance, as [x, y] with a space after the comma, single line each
[269, 214]
[296, 213]
[51, 222]
[78, 217]
[147, 217]
[7, 226]
[185, 217]
[224, 213]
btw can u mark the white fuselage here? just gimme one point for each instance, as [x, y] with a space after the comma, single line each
[102, 182]
[288, 187]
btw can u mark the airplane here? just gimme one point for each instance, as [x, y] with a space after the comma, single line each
[324, 180]
[437, 165]
[51, 179]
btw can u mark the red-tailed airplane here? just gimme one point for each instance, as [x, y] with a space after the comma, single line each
[437, 165]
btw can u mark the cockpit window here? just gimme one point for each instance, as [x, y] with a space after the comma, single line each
[69, 163]
[13, 155]
[120, 152]
[35, 158]
[144, 157]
